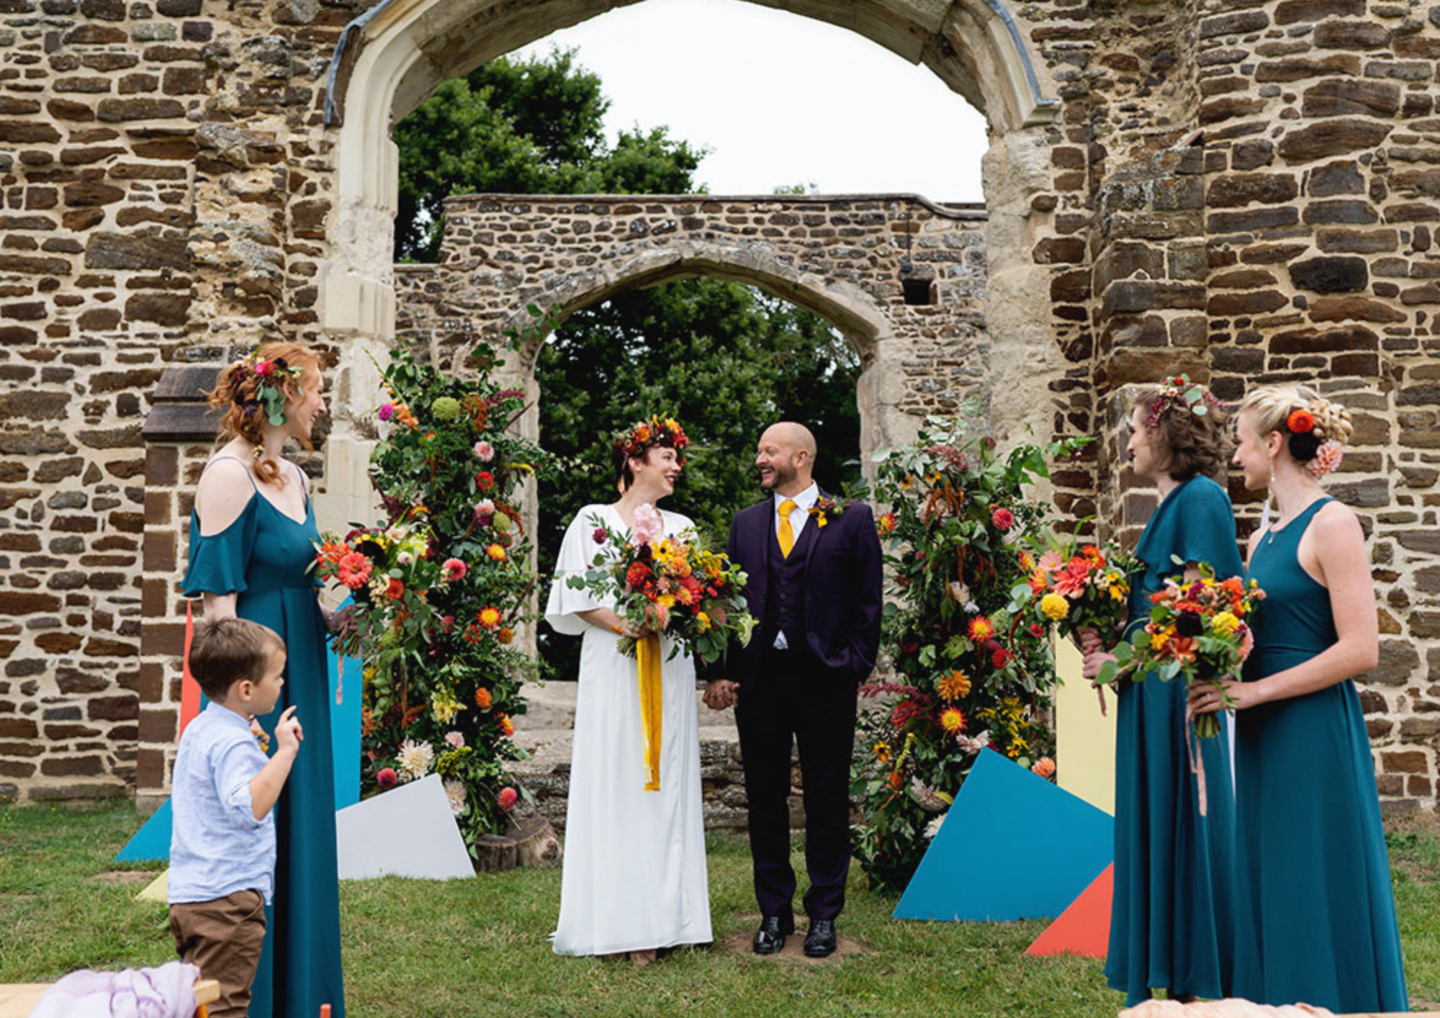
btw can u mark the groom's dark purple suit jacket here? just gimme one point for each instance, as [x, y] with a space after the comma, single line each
[844, 594]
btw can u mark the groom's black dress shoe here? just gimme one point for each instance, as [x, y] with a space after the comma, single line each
[820, 940]
[770, 937]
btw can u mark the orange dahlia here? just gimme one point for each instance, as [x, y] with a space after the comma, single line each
[506, 725]
[483, 699]
[981, 629]
[1300, 422]
[954, 686]
[952, 720]
[488, 617]
[505, 635]
[496, 553]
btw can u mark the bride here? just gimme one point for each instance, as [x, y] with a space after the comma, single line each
[634, 879]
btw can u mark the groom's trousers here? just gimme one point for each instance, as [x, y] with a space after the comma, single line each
[793, 698]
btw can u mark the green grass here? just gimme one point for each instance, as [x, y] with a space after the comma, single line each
[478, 947]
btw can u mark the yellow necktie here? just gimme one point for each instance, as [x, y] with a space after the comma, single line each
[787, 532]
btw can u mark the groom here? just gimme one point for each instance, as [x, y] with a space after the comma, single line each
[814, 587]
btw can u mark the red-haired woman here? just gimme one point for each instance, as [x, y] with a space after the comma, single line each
[251, 543]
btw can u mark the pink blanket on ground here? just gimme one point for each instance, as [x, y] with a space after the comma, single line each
[164, 992]
[1229, 1008]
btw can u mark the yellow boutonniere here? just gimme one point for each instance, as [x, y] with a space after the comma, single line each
[824, 508]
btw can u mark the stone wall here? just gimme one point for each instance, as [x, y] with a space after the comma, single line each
[902, 278]
[1246, 189]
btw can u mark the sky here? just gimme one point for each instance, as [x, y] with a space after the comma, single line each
[780, 99]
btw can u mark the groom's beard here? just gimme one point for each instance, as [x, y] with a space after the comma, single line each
[779, 477]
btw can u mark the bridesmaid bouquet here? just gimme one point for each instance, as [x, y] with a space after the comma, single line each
[1197, 632]
[668, 585]
[387, 568]
[1076, 587]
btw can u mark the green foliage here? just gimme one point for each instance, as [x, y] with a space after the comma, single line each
[523, 127]
[969, 672]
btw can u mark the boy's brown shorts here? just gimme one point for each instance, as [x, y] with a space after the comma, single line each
[223, 937]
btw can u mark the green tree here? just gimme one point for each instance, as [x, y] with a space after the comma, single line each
[523, 127]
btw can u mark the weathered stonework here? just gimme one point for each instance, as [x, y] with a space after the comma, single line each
[851, 259]
[1244, 189]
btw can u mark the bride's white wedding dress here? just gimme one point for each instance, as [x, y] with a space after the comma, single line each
[634, 871]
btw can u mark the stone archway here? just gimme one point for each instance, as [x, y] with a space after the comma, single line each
[902, 279]
[391, 58]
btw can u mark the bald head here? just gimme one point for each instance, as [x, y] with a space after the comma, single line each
[785, 457]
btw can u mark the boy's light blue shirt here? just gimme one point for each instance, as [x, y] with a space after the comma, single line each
[217, 847]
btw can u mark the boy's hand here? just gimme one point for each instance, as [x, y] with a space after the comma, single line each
[288, 733]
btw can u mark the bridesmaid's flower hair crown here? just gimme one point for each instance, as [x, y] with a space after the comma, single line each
[656, 430]
[270, 377]
[1179, 391]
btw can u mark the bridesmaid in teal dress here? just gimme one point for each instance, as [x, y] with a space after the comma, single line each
[1316, 909]
[251, 537]
[1173, 901]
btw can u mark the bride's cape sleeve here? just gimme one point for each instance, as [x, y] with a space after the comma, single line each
[577, 553]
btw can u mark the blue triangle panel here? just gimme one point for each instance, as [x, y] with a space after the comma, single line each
[1013, 846]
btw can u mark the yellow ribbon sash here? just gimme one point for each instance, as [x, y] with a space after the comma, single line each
[647, 656]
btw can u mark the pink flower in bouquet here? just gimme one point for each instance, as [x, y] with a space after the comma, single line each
[648, 524]
[1072, 577]
[485, 451]
[455, 739]
[387, 778]
[264, 369]
[1247, 642]
[1050, 561]
[657, 616]
[508, 798]
[387, 411]
[484, 512]
[1045, 767]
[455, 570]
[354, 570]
[1003, 519]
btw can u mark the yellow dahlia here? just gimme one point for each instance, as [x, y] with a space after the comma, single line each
[1225, 622]
[1055, 607]
[952, 720]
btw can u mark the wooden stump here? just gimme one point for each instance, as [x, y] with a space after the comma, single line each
[531, 844]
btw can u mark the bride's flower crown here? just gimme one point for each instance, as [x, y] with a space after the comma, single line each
[656, 430]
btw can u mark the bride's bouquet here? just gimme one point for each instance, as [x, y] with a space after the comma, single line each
[669, 586]
[1197, 632]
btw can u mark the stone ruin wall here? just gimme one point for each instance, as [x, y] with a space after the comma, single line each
[844, 257]
[1245, 189]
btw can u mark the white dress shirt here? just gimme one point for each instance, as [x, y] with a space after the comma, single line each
[799, 516]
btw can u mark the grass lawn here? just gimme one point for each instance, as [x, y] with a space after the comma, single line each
[478, 947]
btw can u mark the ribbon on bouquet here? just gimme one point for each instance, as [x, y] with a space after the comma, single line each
[1197, 758]
[647, 657]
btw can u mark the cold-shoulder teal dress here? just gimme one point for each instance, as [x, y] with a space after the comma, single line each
[1172, 912]
[1316, 908]
[263, 558]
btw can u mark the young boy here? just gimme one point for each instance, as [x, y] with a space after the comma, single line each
[222, 851]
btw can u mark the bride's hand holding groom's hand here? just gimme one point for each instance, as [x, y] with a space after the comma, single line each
[721, 693]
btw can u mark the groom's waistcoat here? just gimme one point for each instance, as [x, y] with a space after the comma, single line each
[785, 590]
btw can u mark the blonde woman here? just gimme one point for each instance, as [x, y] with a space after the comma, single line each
[1314, 902]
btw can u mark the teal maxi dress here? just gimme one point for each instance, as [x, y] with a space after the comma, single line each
[262, 557]
[1172, 911]
[1316, 909]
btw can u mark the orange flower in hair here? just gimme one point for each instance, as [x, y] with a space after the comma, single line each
[1300, 422]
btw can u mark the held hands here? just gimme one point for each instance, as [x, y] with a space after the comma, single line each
[288, 733]
[721, 693]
